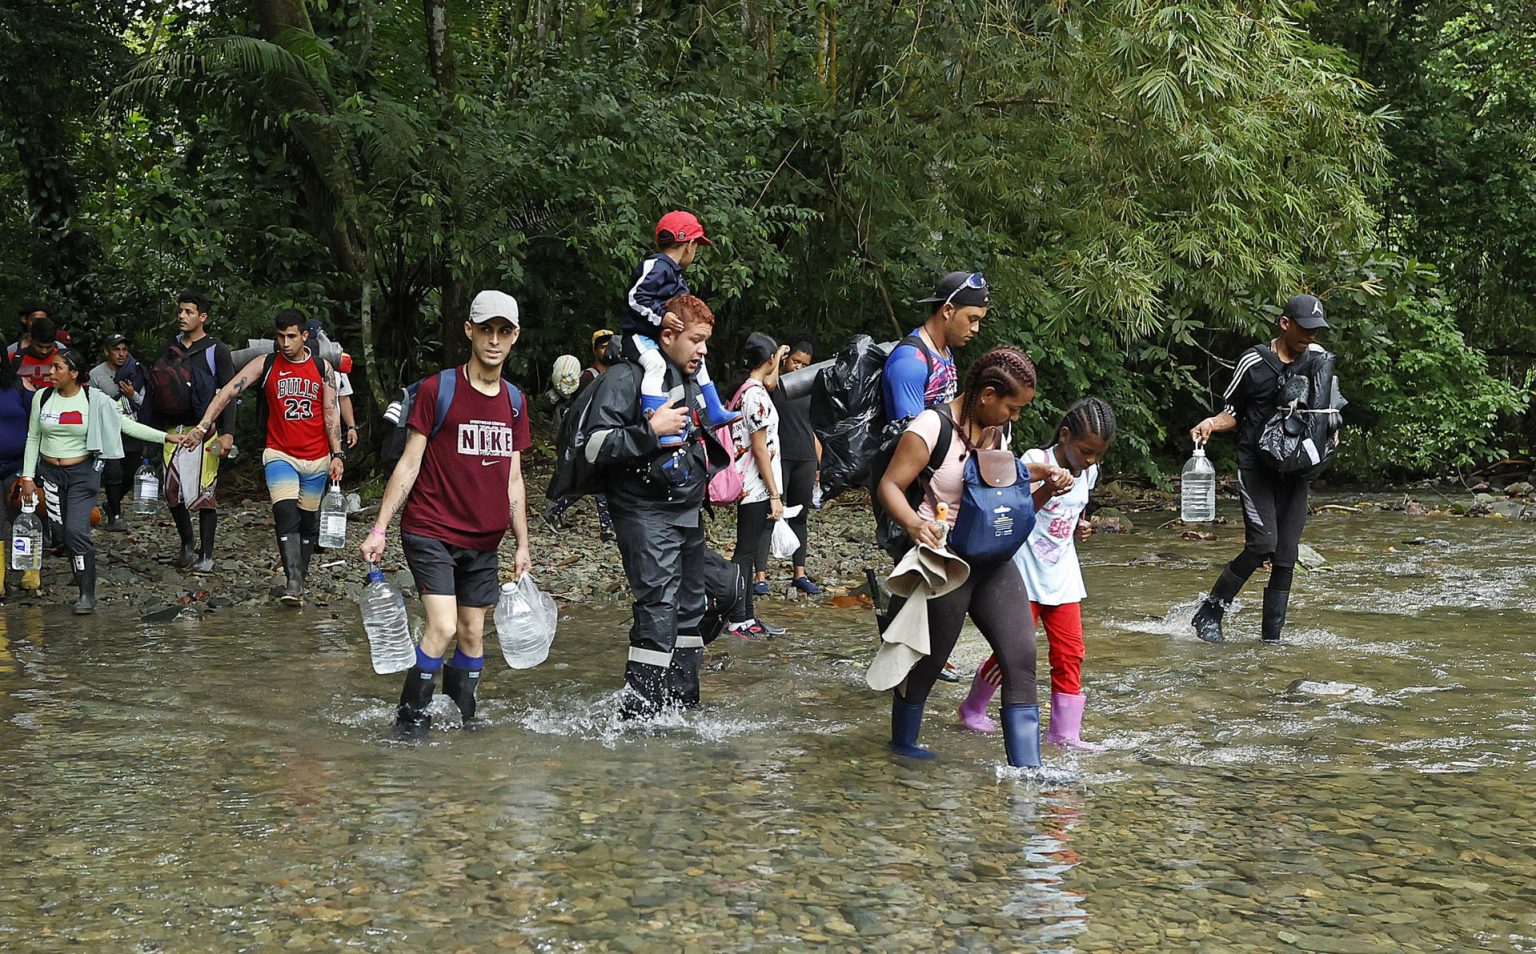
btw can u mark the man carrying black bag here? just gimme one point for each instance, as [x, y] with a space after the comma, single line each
[1274, 492]
[656, 493]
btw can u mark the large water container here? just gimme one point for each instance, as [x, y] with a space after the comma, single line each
[333, 519]
[146, 489]
[1198, 484]
[387, 626]
[525, 623]
[27, 538]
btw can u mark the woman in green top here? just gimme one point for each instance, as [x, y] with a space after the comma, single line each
[73, 430]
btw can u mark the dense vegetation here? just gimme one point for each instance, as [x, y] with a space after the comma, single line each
[1142, 182]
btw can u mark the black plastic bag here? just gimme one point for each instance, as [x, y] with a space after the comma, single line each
[1298, 439]
[848, 415]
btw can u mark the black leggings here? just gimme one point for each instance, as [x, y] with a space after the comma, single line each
[998, 603]
[752, 526]
[1274, 514]
[799, 481]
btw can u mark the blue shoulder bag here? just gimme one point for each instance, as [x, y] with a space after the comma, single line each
[997, 511]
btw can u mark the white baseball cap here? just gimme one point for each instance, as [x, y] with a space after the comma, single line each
[493, 304]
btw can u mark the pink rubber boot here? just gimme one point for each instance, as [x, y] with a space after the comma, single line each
[1067, 722]
[973, 711]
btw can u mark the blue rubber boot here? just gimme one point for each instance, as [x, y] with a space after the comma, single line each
[906, 720]
[650, 404]
[1021, 735]
[718, 415]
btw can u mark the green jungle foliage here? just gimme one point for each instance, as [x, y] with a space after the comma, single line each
[1143, 184]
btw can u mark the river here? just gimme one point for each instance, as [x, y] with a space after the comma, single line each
[230, 784]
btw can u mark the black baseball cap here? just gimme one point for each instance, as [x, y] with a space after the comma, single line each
[1306, 311]
[114, 340]
[962, 289]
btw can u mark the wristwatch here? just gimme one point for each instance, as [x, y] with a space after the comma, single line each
[339, 454]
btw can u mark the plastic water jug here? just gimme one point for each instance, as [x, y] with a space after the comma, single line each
[333, 519]
[27, 538]
[1198, 485]
[387, 626]
[525, 623]
[146, 489]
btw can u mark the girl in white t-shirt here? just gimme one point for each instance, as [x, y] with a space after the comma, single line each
[1048, 563]
[762, 475]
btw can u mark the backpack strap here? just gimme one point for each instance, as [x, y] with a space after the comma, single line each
[447, 382]
[916, 341]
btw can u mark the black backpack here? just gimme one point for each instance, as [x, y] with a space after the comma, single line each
[1298, 438]
[849, 416]
[890, 535]
[175, 387]
[574, 475]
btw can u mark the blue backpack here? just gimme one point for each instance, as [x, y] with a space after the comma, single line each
[997, 511]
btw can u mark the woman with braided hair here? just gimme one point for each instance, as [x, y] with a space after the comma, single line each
[998, 386]
[1048, 563]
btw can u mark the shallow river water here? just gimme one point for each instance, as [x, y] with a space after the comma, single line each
[230, 784]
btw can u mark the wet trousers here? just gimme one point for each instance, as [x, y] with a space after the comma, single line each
[995, 598]
[664, 564]
[1274, 514]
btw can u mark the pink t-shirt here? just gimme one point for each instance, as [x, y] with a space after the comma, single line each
[949, 480]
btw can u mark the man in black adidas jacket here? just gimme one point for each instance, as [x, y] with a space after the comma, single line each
[656, 495]
[1274, 504]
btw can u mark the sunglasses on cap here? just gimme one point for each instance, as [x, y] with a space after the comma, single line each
[974, 280]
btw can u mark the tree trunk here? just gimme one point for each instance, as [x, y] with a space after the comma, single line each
[454, 299]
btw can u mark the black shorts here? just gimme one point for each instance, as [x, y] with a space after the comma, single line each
[470, 576]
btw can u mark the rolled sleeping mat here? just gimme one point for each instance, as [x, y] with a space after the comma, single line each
[257, 347]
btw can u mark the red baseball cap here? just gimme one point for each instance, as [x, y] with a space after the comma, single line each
[680, 226]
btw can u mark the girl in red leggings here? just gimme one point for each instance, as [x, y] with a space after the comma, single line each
[1048, 563]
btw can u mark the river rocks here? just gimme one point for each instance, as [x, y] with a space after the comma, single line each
[1520, 489]
[1308, 557]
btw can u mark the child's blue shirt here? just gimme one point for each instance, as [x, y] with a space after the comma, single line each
[658, 280]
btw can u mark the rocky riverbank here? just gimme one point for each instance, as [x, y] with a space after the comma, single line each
[575, 566]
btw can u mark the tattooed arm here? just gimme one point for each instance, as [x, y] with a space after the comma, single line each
[248, 376]
[331, 411]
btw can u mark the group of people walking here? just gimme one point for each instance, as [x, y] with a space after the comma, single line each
[650, 428]
[66, 437]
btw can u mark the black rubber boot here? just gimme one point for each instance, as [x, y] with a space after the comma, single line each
[411, 718]
[1207, 619]
[1275, 604]
[645, 691]
[85, 578]
[183, 521]
[207, 527]
[460, 685]
[293, 589]
[683, 678]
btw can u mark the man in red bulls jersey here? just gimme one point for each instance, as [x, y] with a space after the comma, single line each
[301, 419]
[460, 480]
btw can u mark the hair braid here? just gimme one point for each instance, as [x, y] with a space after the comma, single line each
[1090, 415]
[1006, 370]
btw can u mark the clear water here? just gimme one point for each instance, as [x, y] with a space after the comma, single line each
[230, 785]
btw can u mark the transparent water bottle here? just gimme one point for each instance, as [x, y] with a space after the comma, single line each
[333, 519]
[27, 538]
[816, 496]
[387, 626]
[146, 489]
[1198, 489]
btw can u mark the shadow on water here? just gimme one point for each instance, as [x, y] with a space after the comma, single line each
[231, 784]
